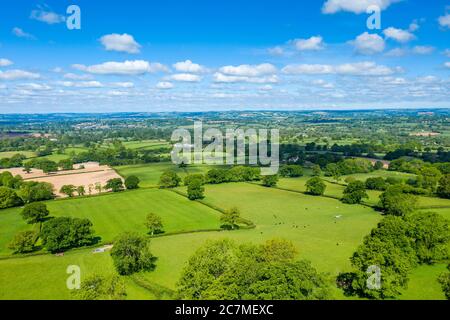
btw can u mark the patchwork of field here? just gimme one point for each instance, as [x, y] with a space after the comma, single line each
[324, 230]
[9, 154]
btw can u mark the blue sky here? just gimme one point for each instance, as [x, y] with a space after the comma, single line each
[223, 55]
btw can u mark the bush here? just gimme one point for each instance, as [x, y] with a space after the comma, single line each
[153, 223]
[270, 181]
[131, 253]
[393, 201]
[23, 242]
[100, 287]
[291, 171]
[230, 218]
[9, 198]
[191, 177]
[169, 179]
[132, 182]
[195, 190]
[115, 185]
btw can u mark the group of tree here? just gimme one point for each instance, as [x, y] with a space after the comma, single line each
[15, 161]
[224, 270]
[348, 166]
[354, 192]
[101, 287]
[115, 185]
[57, 234]
[233, 174]
[396, 246]
[291, 171]
[16, 192]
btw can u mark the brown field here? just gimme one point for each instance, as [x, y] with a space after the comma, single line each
[91, 174]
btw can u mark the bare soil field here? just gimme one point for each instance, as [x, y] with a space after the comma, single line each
[88, 176]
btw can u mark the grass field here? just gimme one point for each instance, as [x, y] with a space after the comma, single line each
[149, 173]
[9, 154]
[112, 214]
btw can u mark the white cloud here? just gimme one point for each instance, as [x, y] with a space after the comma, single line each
[428, 79]
[189, 67]
[313, 43]
[47, 16]
[423, 49]
[276, 51]
[18, 32]
[18, 74]
[82, 84]
[368, 44]
[397, 52]
[355, 6]
[123, 84]
[447, 64]
[246, 70]
[447, 52]
[185, 77]
[35, 86]
[164, 85]
[267, 87]
[322, 83]
[444, 21]
[120, 42]
[135, 67]
[73, 76]
[57, 70]
[366, 68]
[5, 62]
[222, 78]
[399, 35]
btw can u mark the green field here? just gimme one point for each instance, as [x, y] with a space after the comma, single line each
[9, 154]
[115, 213]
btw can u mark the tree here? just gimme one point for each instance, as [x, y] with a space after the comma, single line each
[216, 176]
[66, 164]
[393, 201]
[81, 191]
[270, 180]
[443, 189]
[223, 270]
[376, 183]
[68, 190]
[115, 185]
[390, 249]
[317, 171]
[169, 179]
[32, 191]
[315, 186]
[430, 234]
[333, 170]
[132, 182]
[191, 177]
[444, 280]
[153, 223]
[9, 198]
[230, 218]
[98, 187]
[48, 166]
[61, 233]
[428, 178]
[354, 192]
[100, 287]
[35, 212]
[291, 171]
[131, 253]
[23, 242]
[195, 190]
[378, 165]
